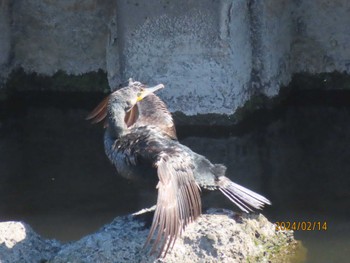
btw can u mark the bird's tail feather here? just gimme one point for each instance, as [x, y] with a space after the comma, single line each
[244, 198]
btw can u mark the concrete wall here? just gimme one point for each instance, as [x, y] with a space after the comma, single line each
[190, 49]
[212, 55]
[53, 35]
[322, 36]
[5, 39]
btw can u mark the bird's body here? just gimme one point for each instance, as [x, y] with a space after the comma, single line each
[141, 142]
[135, 153]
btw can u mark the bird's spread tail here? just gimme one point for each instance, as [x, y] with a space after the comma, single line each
[244, 198]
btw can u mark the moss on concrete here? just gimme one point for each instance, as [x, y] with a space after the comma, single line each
[279, 250]
[323, 81]
[3, 95]
[255, 103]
[20, 80]
[213, 119]
[275, 246]
[331, 89]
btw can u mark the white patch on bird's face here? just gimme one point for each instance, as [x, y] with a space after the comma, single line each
[130, 104]
[133, 101]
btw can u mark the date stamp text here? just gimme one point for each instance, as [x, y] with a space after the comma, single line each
[301, 225]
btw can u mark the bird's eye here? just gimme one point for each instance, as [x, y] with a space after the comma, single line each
[139, 94]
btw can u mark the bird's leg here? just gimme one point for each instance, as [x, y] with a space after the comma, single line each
[145, 215]
[145, 210]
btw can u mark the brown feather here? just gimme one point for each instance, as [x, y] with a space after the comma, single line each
[178, 202]
[100, 112]
[153, 111]
[131, 116]
[149, 111]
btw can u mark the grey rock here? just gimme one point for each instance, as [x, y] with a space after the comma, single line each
[218, 236]
[19, 243]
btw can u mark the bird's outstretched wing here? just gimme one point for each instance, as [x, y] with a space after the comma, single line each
[178, 201]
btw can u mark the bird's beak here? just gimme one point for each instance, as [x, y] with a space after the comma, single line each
[147, 91]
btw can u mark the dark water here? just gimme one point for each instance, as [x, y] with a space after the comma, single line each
[55, 176]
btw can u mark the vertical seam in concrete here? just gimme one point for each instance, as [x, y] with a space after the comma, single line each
[7, 7]
[120, 42]
[225, 20]
[11, 60]
[255, 39]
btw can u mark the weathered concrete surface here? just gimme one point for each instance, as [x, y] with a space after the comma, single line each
[68, 35]
[5, 39]
[219, 236]
[321, 36]
[190, 50]
[212, 55]
[271, 37]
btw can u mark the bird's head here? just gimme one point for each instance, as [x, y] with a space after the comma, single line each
[122, 104]
[133, 93]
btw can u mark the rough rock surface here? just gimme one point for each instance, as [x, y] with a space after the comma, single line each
[212, 55]
[19, 243]
[219, 236]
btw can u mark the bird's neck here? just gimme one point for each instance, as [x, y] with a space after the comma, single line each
[116, 121]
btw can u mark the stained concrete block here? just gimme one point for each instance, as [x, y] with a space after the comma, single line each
[323, 36]
[211, 55]
[272, 35]
[5, 38]
[200, 50]
[65, 35]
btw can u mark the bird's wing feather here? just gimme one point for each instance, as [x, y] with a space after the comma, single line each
[178, 201]
[131, 116]
[153, 111]
[100, 112]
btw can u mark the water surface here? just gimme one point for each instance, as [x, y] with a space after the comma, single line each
[55, 176]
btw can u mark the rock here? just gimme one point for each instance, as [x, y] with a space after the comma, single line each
[219, 235]
[19, 243]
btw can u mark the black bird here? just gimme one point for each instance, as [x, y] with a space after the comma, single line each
[140, 140]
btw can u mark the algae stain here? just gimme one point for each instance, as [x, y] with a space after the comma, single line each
[19, 80]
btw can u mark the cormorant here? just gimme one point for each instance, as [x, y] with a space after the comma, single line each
[140, 140]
